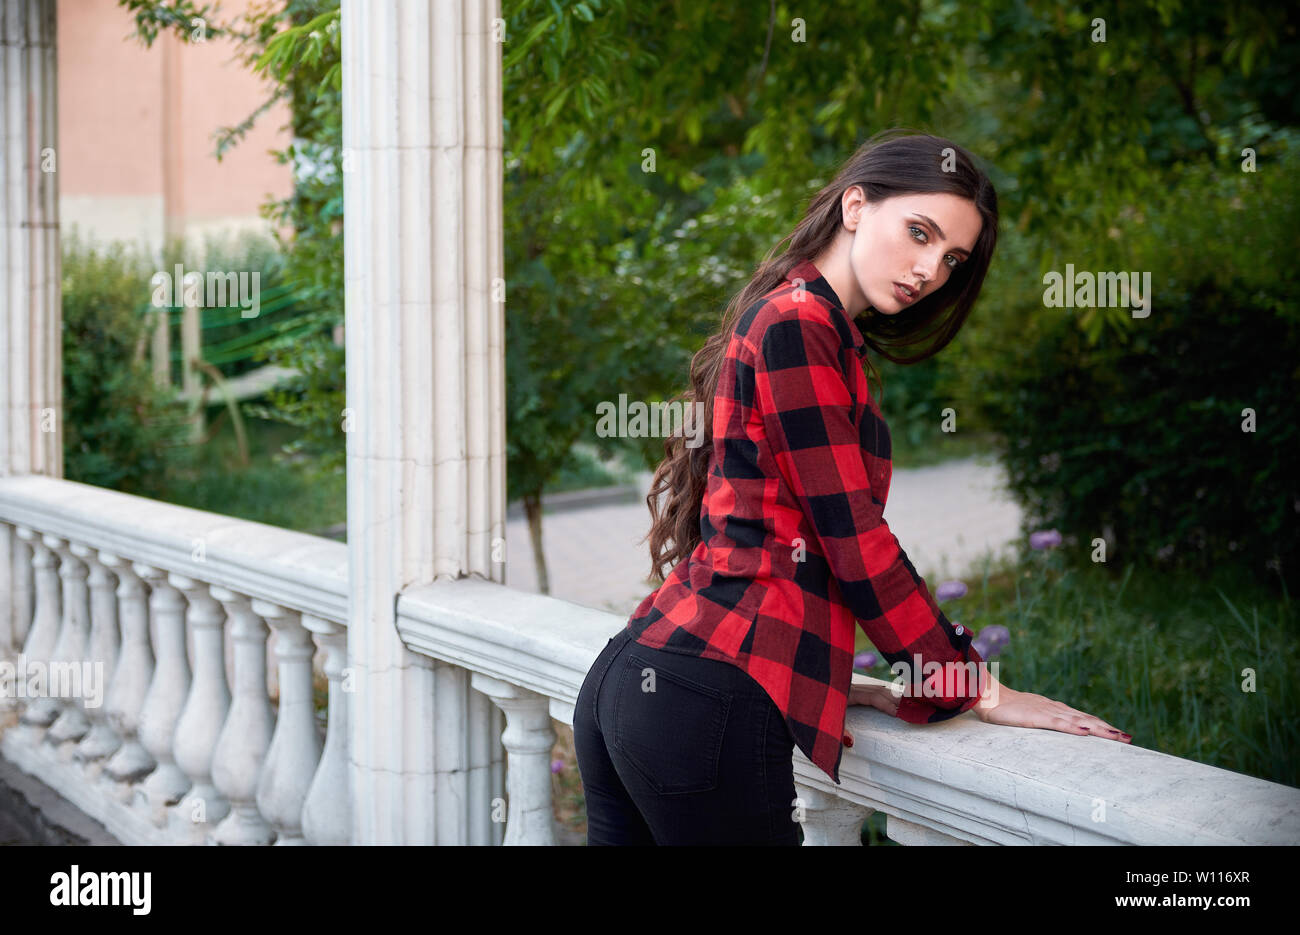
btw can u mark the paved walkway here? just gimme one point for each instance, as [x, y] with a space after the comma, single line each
[946, 518]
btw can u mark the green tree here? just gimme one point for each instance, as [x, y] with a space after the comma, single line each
[626, 121]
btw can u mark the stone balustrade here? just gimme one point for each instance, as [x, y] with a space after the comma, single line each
[143, 631]
[957, 782]
[160, 626]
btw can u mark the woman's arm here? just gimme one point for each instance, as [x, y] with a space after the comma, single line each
[803, 397]
[1002, 705]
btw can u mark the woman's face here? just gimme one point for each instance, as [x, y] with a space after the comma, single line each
[906, 247]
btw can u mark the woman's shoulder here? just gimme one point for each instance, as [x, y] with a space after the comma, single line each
[785, 304]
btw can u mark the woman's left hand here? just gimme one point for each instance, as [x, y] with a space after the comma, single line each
[878, 696]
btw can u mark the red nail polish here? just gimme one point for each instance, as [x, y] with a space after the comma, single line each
[848, 741]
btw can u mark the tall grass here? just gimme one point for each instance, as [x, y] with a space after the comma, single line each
[1199, 668]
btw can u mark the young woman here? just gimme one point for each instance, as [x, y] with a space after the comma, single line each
[686, 724]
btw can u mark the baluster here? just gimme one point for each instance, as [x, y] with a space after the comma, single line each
[528, 739]
[46, 635]
[829, 821]
[199, 726]
[18, 622]
[7, 540]
[327, 814]
[101, 742]
[24, 600]
[167, 692]
[68, 663]
[42, 638]
[131, 680]
[7, 567]
[241, 748]
[295, 747]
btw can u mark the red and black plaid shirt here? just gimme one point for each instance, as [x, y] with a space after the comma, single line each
[794, 544]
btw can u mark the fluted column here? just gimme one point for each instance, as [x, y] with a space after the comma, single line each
[423, 258]
[451, 774]
[246, 736]
[830, 821]
[326, 815]
[204, 714]
[132, 677]
[31, 391]
[295, 749]
[167, 693]
[483, 728]
[101, 741]
[528, 740]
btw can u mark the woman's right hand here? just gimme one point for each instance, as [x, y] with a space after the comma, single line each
[1010, 708]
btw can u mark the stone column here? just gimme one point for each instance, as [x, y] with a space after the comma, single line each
[425, 416]
[31, 393]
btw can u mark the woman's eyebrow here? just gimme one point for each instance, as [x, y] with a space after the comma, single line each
[942, 236]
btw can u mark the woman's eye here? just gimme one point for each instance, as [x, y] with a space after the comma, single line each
[955, 262]
[917, 231]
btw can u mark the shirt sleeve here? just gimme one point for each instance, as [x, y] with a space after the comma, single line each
[806, 405]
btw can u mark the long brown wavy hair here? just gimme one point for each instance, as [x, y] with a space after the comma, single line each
[885, 166]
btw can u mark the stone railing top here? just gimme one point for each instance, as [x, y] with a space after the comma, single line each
[537, 642]
[969, 780]
[302, 572]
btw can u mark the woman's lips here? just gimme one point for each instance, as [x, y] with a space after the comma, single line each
[901, 294]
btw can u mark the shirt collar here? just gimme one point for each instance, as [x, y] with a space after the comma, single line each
[815, 283]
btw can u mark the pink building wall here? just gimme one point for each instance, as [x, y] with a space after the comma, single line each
[136, 149]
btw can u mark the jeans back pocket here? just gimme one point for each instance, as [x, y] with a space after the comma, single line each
[669, 727]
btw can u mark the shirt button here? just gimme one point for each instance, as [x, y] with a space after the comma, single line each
[959, 630]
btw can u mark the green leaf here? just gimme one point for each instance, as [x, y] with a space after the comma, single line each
[556, 103]
[521, 48]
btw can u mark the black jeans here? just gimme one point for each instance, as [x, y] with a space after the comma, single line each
[676, 749]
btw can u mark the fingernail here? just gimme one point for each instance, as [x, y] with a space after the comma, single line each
[848, 741]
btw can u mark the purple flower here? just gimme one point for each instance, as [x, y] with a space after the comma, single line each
[1044, 539]
[950, 590]
[990, 640]
[864, 660]
[557, 765]
[996, 634]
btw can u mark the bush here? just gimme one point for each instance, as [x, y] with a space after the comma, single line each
[1134, 429]
[232, 342]
[1143, 443]
[120, 429]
